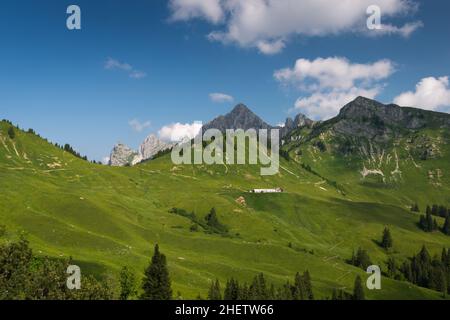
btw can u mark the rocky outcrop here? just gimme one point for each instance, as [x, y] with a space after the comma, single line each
[122, 155]
[300, 121]
[151, 147]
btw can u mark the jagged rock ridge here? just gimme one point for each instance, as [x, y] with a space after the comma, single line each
[122, 155]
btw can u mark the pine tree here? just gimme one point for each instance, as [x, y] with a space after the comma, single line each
[127, 281]
[392, 267]
[11, 133]
[446, 228]
[361, 259]
[308, 285]
[415, 208]
[299, 290]
[214, 291]
[156, 283]
[258, 289]
[358, 291]
[232, 290]
[387, 241]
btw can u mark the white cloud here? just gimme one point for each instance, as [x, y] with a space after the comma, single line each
[268, 24]
[113, 64]
[138, 126]
[329, 83]
[105, 160]
[270, 48]
[431, 94]
[210, 10]
[334, 72]
[178, 131]
[220, 97]
[325, 105]
[404, 31]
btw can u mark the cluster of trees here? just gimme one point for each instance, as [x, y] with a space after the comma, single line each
[424, 271]
[358, 292]
[360, 259]
[67, 147]
[210, 224]
[300, 289]
[23, 276]
[438, 210]
[421, 269]
[428, 222]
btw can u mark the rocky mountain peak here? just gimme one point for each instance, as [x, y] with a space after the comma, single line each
[241, 117]
[368, 118]
[299, 121]
[151, 146]
[122, 155]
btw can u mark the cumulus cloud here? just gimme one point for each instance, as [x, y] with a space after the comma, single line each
[431, 94]
[325, 105]
[269, 24]
[183, 10]
[177, 131]
[327, 84]
[105, 160]
[220, 97]
[113, 64]
[138, 126]
[335, 72]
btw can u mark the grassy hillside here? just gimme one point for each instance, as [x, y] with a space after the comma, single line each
[109, 217]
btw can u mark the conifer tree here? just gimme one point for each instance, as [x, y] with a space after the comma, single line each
[308, 285]
[232, 290]
[387, 241]
[127, 281]
[299, 290]
[358, 291]
[214, 291]
[446, 228]
[11, 133]
[156, 283]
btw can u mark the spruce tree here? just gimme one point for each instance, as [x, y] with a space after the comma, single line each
[299, 290]
[156, 283]
[308, 285]
[392, 267]
[358, 291]
[232, 290]
[127, 281]
[387, 241]
[11, 133]
[214, 291]
[446, 228]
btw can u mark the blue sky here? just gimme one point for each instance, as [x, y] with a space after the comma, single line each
[58, 81]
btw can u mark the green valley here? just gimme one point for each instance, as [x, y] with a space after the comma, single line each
[340, 190]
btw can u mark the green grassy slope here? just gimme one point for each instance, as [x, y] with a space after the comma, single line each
[109, 217]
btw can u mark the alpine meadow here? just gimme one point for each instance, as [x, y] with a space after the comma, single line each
[277, 155]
